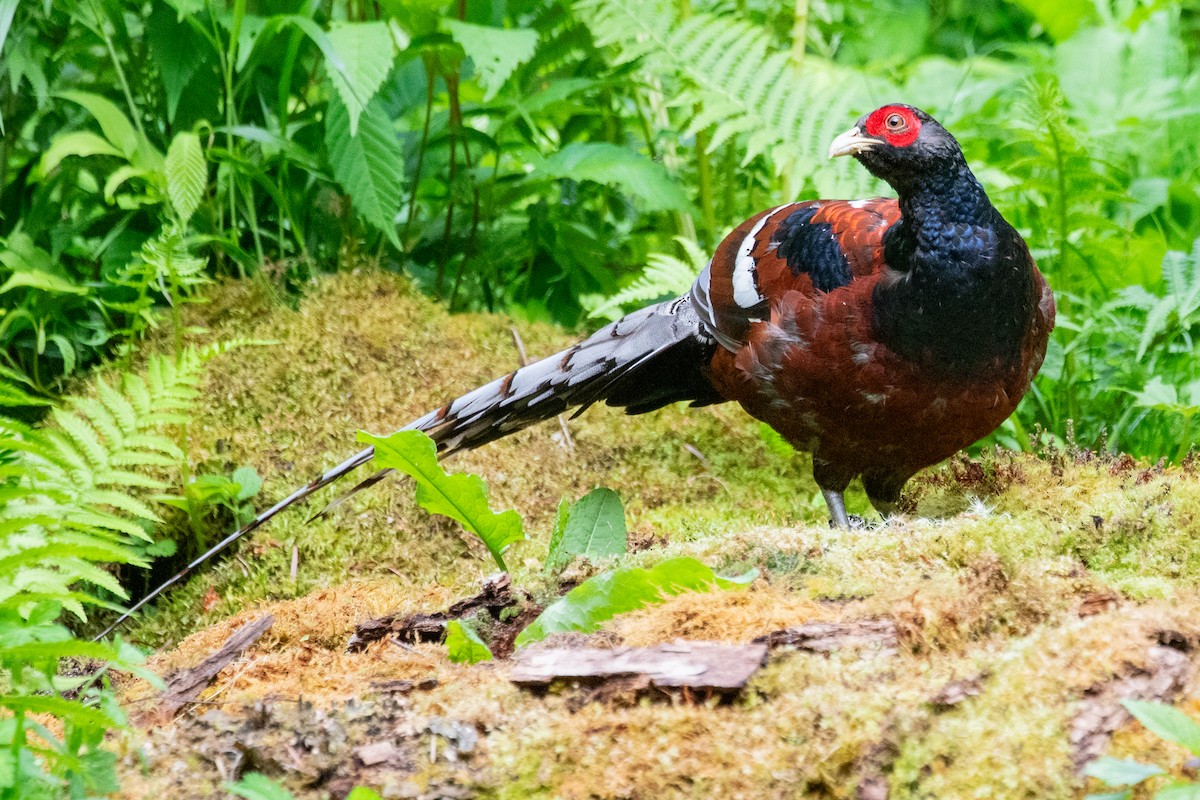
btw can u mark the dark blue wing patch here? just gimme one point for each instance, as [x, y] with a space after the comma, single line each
[812, 248]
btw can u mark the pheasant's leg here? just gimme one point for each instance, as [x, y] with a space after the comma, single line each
[837, 508]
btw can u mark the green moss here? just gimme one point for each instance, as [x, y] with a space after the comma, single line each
[988, 574]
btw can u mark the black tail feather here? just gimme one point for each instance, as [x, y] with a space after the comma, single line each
[642, 362]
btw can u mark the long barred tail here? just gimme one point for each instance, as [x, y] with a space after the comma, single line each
[651, 358]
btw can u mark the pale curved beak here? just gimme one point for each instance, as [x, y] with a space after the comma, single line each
[851, 142]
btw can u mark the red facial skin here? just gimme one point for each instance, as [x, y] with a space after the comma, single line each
[896, 125]
[817, 373]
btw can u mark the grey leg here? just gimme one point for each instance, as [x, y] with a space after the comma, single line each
[837, 509]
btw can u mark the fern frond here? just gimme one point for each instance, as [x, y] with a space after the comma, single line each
[733, 81]
[664, 276]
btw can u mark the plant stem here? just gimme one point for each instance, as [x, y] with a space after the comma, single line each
[121, 79]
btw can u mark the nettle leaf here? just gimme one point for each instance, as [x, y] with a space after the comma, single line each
[365, 55]
[461, 497]
[369, 165]
[593, 526]
[1120, 771]
[621, 167]
[187, 175]
[463, 645]
[604, 596]
[496, 52]
[1166, 722]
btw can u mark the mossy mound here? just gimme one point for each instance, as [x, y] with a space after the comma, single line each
[1039, 583]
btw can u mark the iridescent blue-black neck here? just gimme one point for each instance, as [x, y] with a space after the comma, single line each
[959, 293]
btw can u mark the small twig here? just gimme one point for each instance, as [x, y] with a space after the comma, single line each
[295, 562]
[523, 359]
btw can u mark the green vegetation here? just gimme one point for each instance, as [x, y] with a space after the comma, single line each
[1165, 722]
[183, 173]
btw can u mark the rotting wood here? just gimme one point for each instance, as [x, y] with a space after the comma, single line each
[702, 666]
[826, 637]
[186, 685]
[1165, 675]
[496, 595]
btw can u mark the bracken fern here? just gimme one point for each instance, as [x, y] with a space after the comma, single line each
[734, 81]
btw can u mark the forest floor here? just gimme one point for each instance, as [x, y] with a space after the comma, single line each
[1028, 595]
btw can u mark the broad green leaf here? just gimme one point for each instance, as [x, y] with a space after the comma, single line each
[604, 596]
[463, 645]
[593, 526]
[248, 481]
[75, 143]
[621, 167]
[461, 497]
[187, 175]
[32, 266]
[1120, 771]
[370, 165]
[115, 125]
[366, 52]
[8, 769]
[496, 52]
[363, 793]
[1166, 722]
[1179, 791]
[256, 786]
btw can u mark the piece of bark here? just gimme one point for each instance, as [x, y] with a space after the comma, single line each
[703, 666]
[186, 685]
[956, 692]
[497, 594]
[1165, 675]
[826, 637]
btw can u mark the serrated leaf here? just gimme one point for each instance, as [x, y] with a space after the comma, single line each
[1120, 771]
[594, 526]
[461, 497]
[365, 55]
[621, 167]
[187, 175]
[463, 645]
[248, 481]
[604, 596]
[1166, 722]
[369, 165]
[496, 52]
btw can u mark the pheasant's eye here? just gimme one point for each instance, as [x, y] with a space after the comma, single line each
[894, 122]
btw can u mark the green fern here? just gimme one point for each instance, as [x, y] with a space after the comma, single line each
[665, 275]
[734, 81]
[75, 500]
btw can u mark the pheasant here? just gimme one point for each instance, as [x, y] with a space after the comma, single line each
[881, 335]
